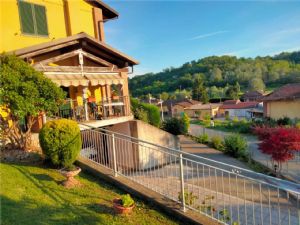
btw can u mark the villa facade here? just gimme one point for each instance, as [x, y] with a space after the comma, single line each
[65, 40]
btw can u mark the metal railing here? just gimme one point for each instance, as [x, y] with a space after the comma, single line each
[228, 194]
[106, 108]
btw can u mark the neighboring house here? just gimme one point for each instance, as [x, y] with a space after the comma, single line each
[65, 41]
[239, 109]
[201, 110]
[252, 96]
[176, 107]
[282, 102]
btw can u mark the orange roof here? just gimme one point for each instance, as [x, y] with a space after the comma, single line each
[240, 105]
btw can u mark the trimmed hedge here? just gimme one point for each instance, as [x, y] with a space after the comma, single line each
[60, 141]
[146, 112]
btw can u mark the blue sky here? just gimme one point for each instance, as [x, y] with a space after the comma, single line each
[161, 34]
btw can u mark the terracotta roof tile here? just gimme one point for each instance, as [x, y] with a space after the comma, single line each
[288, 91]
[240, 105]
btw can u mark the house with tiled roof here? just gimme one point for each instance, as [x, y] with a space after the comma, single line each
[252, 96]
[178, 108]
[239, 109]
[282, 102]
[199, 111]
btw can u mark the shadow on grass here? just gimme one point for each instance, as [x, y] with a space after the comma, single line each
[27, 212]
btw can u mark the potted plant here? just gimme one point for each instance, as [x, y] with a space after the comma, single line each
[123, 205]
[61, 143]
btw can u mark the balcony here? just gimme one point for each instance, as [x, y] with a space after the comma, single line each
[108, 111]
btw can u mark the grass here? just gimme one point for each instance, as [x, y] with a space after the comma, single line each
[241, 126]
[32, 195]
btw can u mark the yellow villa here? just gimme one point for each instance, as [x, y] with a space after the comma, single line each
[65, 40]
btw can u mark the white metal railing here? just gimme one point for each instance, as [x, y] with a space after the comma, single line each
[225, 193]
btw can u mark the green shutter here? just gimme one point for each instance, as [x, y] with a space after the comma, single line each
[26, 17]
[41, 20]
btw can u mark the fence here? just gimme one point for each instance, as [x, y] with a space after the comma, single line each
[223, 192]
[106, 108]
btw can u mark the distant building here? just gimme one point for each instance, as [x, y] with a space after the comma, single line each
[239, 109]
[282, 102]
[173, 107]
[252, 96]
[201, 110]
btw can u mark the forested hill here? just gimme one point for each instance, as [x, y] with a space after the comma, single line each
[221, 71]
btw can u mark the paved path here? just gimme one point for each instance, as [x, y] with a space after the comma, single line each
[291, 169]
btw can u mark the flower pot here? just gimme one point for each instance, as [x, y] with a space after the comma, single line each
[119, 209]
[69, 175]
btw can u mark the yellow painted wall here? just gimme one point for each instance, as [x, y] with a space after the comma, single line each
[278, 109]
[11, 38]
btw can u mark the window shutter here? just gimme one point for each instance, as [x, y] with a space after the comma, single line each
[41, 20]
[26, 17]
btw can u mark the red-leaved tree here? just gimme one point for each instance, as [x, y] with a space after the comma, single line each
[280, 143]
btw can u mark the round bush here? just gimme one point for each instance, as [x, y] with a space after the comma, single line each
[61, 142]
[235, 145]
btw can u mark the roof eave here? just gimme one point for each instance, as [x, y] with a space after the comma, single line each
[108, 12]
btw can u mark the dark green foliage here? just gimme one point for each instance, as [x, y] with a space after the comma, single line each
[174, 126]
[26, 92]
[218, 71]
[284, 121]
[145, 112]
[126, 200]
[235, 145]
[61, 142]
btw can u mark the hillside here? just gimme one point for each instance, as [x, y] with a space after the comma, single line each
[219, 71]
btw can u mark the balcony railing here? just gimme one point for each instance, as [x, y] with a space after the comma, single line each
[107, 108]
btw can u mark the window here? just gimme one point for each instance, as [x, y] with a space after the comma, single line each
[33, 19]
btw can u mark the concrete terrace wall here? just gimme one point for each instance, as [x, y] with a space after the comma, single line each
[143, 156]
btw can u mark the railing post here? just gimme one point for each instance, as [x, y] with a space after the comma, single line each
[182, 182]
[114, 155]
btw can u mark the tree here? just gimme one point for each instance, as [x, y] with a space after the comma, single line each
[280, 143]
[215, 75]
[204, 96]
[164, 96]
[233, 91]
[256, 84]
[26, 93]
[197, 87]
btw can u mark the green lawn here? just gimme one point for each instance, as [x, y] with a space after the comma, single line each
[32, 195]
[226, 126]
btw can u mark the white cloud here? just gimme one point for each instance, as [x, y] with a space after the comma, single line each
[208, 35]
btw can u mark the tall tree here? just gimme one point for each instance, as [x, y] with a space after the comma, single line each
[256, 84]
[25, 92]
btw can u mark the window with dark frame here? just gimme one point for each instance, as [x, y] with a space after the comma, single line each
[33, 19]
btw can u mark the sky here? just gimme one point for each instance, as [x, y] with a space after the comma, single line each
[161, 34]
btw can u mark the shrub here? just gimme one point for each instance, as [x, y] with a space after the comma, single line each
[298, 125]
[141, 114]
[235, 145]
[61, 142]
[174, 126]
[153, 113]
[186, 123]
[126, 200]
[204, 139]
[284, 121]
[217, 143]
[140, 109]
[280, 143]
